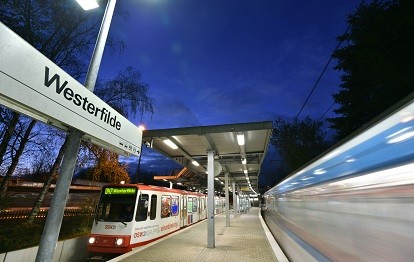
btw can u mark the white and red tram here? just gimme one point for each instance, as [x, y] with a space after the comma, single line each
[133, 215]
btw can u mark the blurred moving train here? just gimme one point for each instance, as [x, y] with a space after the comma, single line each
[133, 215]
[356, 202]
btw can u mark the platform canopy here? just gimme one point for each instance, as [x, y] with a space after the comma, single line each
[188, 146]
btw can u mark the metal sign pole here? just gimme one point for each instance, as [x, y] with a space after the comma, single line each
[54, 218]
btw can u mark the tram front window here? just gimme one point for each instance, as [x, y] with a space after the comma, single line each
[116, 204]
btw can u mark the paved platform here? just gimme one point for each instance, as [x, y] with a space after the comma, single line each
[246, 239]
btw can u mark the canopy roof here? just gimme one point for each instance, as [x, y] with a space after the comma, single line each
[194, 142]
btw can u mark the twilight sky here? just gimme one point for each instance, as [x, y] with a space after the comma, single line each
[211, 62]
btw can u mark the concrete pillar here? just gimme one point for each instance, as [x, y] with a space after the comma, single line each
[226, 185]
[238, 199]
[233, 184]
[210, 200]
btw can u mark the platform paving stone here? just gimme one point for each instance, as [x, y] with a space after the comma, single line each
[243, 241]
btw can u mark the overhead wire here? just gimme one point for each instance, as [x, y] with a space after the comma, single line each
[321, 74]
[327, 110]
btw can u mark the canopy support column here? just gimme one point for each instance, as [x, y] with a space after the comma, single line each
[226, 185]
[210, 200]
[233, 184]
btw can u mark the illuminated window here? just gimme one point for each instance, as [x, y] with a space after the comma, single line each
[175, 206]
[190, 204]
[195, 204]
[165, 206]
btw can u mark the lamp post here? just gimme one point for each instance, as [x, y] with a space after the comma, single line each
[54, 218]
[142, 127]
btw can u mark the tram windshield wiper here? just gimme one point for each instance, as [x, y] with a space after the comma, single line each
[120, 220]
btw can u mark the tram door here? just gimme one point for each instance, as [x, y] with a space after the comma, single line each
[200, 208]
[184, 210]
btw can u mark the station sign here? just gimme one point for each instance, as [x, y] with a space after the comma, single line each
[33, 85]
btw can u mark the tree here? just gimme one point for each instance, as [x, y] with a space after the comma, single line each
[126, 93]
[66, 35]
[107, 168]
[297, 142]
[8, 133]
[60, 31]
[376, 62]
[46, 185]
[15, 160]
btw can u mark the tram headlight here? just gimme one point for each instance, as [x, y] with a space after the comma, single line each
[92, 240]
[119, 241]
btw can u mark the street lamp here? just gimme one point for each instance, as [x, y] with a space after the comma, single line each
[88, 4]
[54, 218]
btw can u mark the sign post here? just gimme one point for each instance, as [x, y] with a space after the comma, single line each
[54, 220]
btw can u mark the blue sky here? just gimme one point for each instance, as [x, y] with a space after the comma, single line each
[230, 61]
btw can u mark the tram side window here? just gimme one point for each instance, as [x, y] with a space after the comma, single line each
[175, 206]
[190, 204]
[165, 206]
[195, 204]
[202, 204]
[153, 211]
[142, 209]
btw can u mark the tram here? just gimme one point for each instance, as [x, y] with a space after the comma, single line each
[353, 203]
[133, 215]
